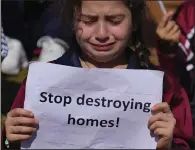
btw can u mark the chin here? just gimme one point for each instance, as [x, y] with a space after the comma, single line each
[102, 58]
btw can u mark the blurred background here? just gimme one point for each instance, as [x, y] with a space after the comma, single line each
[24, 23]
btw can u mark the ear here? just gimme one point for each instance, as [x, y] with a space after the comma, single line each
[61, 42]
[42, 40]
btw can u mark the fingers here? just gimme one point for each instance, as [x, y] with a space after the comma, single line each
[170, 25]
[158, 117]
[162, 107]
[21, 130]
[174, 29]
[20, 112]
[162, 124]
[25, 121]
[164, 143]
[160, 131]
[168, 29]
[175, 36]
[20, 124]
[158, 124]
[163, 128]
[174, 33]
[17, 137]
[165, 19]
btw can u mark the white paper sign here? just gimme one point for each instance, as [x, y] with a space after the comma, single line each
[91, 108]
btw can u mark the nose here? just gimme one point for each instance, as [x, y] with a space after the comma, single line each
[102, 33]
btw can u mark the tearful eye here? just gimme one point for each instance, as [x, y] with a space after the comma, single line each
[115, 19]
[115, 22]
[88, 22]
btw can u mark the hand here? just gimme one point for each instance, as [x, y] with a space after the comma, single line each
[20, 124]
[162, 124]
[167, 29]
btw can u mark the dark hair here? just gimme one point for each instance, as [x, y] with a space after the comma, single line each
[137, 8]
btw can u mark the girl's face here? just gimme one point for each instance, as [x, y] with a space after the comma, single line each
[103, 29]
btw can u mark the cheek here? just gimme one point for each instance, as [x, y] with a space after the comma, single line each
[122, 32]
[82, 32]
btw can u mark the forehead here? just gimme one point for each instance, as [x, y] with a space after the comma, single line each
[98, 7]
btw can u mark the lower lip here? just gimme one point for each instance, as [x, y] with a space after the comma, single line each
[103, 48]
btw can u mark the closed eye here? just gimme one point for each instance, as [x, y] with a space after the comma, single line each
[88, 19]
[90, 22]
[115, 22]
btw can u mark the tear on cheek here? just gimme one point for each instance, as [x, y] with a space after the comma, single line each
[79, 32]
[84, 35]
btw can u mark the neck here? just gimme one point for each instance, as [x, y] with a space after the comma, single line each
[120, 62]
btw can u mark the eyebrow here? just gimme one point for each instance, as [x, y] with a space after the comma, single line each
[88, 16]
[116, 16]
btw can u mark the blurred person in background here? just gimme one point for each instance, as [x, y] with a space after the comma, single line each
[177, 47]
[22, 20]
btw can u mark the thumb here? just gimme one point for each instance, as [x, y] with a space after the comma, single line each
[164, 142]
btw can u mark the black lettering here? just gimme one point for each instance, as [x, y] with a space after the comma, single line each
[42, 94]
[88, 101]
[111, 123]
[103, 123]
[126, 105]
[132, 103]
[69, 119]
[146, 107]
[103, 101]
[138, 103]
[50, 97]
[91, 122]
[81, 121]
[58, 99]
[82, 100]
[117, 122]
[97, 102]
[67, 100]
[109, 101]
[115, 104]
